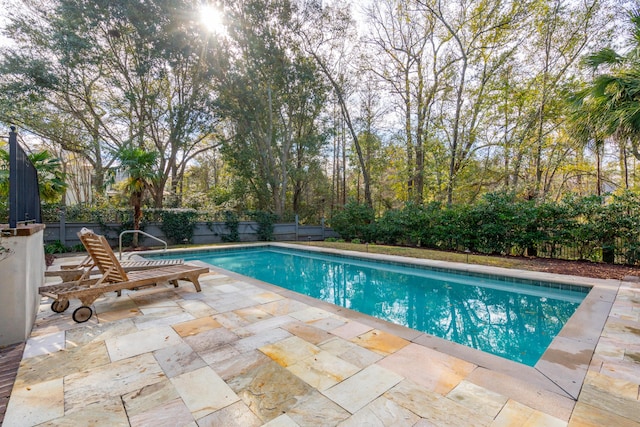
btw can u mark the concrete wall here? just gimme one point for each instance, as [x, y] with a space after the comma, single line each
[21, 274]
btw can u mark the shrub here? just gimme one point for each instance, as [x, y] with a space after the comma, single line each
[56, 247]
[423, 222]
[455, 229]
[265, 222]
[178, 224]
[390, 228]
[494, 220]
[78, 248]
[618, 227]
[354, 222]
[583, 230]
[553, 224]
[409, 225]
[232, 223]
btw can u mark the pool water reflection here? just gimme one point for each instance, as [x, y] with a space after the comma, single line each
[514, 320]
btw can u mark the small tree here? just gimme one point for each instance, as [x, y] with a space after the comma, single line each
[140, 166]
[51, 177]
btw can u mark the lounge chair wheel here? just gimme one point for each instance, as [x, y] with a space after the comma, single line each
[59, 306]
[82, 314]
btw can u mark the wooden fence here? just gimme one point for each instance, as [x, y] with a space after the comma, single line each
[204, 233]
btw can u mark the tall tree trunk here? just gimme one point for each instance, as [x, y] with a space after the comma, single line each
[335, 173]
[137, 216]
[599, 167]
[624, 167]
[456, 133]
[347, 120]
[411, 170]
[344, 165]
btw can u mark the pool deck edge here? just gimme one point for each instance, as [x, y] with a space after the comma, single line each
[557, 378]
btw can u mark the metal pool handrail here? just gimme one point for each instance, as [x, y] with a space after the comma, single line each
[137, 231]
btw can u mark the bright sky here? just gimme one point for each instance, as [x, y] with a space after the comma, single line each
[213, 19]
[5, 15]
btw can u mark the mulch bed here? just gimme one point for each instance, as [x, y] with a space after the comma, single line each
[581, 268]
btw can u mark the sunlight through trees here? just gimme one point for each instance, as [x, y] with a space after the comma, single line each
[298, 107]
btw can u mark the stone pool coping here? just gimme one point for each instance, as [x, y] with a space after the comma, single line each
[552, 385]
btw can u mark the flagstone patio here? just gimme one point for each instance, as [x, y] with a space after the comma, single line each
[246, 353]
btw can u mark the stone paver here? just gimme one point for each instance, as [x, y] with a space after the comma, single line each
[244, 353]
[434, 370]
[323, 370]
[203, 391]
[358, 390]
[36, 403]
[290, 351]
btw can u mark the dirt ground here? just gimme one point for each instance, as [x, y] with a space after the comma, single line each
[581, 268]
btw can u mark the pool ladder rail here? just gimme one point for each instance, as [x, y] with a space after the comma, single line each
[136, 232]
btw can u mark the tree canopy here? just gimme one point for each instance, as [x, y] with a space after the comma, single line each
[297, 107]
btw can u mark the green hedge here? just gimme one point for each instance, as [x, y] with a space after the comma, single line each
[586, 228]
[179, 224]
[105, 213]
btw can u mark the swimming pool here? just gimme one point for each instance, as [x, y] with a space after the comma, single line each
[508, 318]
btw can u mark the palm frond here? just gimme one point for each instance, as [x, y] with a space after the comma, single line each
[606, 56]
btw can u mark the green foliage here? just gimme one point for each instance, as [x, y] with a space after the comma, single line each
[610, 99]
[584, 212]
[265, 222]
[125, 225]
[51, 178]
[272, 94]
[232, 223]
[178, 225]
[101, 213]
[4, 210]
[56, 247]
[356, 221]
[401, 226]
[78, 248]
[583, 228]
[618, 228]
[93, 78]
[150, 69]
[502, 224]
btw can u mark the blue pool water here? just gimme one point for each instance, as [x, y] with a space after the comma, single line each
[510, 319]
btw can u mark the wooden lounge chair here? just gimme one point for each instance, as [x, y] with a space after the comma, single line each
[113, 277]
[74, 272]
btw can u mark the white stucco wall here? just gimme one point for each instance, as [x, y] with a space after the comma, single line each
[21, 274]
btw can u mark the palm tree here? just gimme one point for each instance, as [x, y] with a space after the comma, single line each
[613, 97]
[140, 167]
[51, 177]
[585, 129]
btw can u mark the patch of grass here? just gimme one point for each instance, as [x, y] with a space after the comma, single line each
[494, 261]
